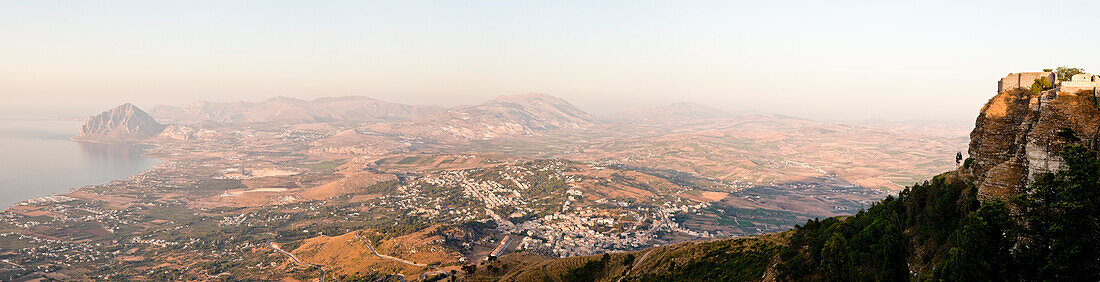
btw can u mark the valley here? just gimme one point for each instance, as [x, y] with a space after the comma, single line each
[553, 141]
[446, 189]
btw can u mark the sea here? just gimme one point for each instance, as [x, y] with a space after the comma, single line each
[38, 159]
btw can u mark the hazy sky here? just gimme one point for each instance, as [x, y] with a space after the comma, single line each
[842, 60]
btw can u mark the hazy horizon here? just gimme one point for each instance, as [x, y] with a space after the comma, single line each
[850, 61]
[48, 116]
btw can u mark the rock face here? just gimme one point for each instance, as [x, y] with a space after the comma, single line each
[291, 111]
[1018, 136]
[125, 123]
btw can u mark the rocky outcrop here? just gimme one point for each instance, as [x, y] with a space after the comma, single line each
[1018, 135]
[125, 123]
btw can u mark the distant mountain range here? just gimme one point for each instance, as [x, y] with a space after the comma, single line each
[291, 111]
[682, 111]
[125, 123]
[529, 107]
[529, 114]
[513, 115]
[510, 115]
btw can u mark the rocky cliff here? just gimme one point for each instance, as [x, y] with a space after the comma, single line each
[1018, 135]
[125, 123]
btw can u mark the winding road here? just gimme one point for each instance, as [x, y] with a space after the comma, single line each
[373, 252]
[423, 275]
[295, 259]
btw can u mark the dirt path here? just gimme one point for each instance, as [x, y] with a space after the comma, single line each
[375, 253]
[423, 275]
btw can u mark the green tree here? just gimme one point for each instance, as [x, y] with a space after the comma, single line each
[1039, 85]
[892, 248]
[1043, 83]
[1061, 221]
[834, 259]
[1065, 73]
[981, 248]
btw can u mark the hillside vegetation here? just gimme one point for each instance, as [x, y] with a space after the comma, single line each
[941, 232]
[738, 259]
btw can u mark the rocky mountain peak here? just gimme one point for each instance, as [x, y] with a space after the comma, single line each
[125, 123]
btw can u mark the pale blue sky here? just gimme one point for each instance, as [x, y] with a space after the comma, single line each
[840, 60]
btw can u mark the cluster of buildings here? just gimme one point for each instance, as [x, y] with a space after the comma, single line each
[492, 193]
[575, 234]
[568, 231]
[409, 197]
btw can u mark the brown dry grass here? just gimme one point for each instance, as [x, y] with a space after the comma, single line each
[345, 185]
[997, 106]
[346, 254]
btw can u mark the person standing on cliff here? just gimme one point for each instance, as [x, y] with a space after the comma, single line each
[958, 158]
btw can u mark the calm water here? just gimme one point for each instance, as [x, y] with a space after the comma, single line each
[38, 159]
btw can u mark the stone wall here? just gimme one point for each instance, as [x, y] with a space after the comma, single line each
[1078, 82]
[1023, 80]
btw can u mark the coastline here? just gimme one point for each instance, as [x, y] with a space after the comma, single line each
[104, 142]
[143, 146]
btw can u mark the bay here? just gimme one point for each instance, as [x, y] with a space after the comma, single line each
[38, 159]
